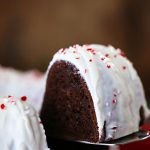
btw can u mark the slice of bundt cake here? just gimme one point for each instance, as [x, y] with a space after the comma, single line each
[93, 93]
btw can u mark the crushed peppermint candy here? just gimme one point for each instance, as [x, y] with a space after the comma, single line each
[106, 55]
[124, 67]
[103, 58]
[122, 54]
[91, 50]
[114, 101]
[108, 66]
[90, 60]
[115, 95]
[23, 98]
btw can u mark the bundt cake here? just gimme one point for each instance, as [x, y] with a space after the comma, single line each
[20, 126]
[30, 83]
[93, 93]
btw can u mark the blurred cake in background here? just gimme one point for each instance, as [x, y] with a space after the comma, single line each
[20, 126]
[30, 83]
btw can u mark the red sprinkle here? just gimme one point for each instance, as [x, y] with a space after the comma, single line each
[90, 60]
[109, 66]
[102, 58]
[122, 54]
[77, 57]
[2, 106]
[115, 95]
[40, 122]
[107, 55]
[9, 96]
[85, 71]
[114, 101]
[89, 49]
[23, 98]
[124, 67]
[62, 50]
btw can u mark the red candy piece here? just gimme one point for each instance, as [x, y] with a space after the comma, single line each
[115, 95]
[108, 66]
[2, 106]
[114, 101]
[122, 54]
[77, 57]
[90, 60]
[107, 55]
[102, 58]
[23, 98]
[91, 50]
[124, 67]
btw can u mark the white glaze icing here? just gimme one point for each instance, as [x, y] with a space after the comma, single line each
[20, 126]
[114, 85]
[17, 83]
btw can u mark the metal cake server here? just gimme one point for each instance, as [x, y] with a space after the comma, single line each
[134, 137]
[58, 144]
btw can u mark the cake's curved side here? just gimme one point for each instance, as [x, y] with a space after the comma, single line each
[135, 84]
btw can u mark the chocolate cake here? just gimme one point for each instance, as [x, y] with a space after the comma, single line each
[93, 94]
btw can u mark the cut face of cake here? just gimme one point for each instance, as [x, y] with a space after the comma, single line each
[20, 126]
[93, 94]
